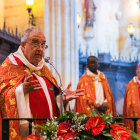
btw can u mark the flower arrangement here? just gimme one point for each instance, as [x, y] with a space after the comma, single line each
[74, 126]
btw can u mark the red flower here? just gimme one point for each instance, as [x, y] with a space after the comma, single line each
[32, 137]
[70, 136]
[96, 124]
[118, 132]
[65, 131]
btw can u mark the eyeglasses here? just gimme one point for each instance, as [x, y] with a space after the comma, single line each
[36, 44]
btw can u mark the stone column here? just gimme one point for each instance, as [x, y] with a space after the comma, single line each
[52, 33]
[60, 30]
[74, 47]
[58, 37]
[66, 58]
[47, 27]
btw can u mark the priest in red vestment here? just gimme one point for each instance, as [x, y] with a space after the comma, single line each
[27, 87]
[97, 94]
[131, 106]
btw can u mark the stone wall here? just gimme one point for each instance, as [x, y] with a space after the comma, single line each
[110, 28]
[1, 13]
[106, 28]
[130, 14]
[16, 14]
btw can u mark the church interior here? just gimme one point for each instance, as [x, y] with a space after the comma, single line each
[74, 30]
[111, 33]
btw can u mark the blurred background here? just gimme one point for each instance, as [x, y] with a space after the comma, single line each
[76, 29]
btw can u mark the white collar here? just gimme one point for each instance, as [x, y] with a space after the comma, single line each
[21, 56]
[135, 78]
[92, 74]
[138, 80]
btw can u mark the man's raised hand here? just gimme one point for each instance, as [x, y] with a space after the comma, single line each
[28, 86]
[70, 95]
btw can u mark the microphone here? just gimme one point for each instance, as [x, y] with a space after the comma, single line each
[48, 60]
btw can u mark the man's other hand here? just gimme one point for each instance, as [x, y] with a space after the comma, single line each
[28, 86]
[99, 107]
[70, 95]
[104, 106]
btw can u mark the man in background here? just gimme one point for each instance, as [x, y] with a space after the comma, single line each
[27, 87]
[97, 94]
[131, 106]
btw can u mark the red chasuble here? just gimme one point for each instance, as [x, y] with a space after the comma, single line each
[11, 76]
[88, 101]
[131, 107]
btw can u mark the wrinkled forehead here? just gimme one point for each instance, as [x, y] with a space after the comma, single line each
[36, 34]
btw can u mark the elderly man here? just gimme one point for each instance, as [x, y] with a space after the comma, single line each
[131, 106]
[27, 87]
[97, 94]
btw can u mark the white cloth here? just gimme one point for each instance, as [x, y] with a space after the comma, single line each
[22, 103]
[98, 87]
[138, 80]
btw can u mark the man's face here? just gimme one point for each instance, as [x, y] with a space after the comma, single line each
[34, 54]
[92, 64]
[138, 74]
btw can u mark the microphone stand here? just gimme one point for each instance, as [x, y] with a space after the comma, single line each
[62, 91]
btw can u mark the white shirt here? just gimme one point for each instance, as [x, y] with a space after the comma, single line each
[98, 87]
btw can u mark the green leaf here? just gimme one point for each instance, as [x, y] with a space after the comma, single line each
[52, 128]
[106, 131]
[44, 123]
[81, 114]
[84, 120]
[88, 137]
[85, 115]
[134, 135]
[85, 136]
[107, 135]
[84, 132]
[108, 118]
[102, 114]
[42, 127]
[95, 113]
[62, 118]
[69, 113]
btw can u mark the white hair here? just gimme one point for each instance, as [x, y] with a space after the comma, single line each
[28, 30]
